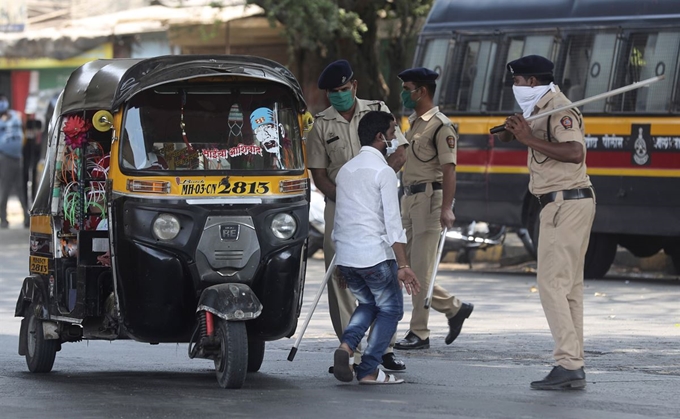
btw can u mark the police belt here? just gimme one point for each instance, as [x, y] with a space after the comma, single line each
[414, 189]
[566, 195]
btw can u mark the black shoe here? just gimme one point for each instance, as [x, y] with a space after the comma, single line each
[4, 224]
[456, 322]
[561, 378]
[411, 341]
[390, 362]
[331, 369]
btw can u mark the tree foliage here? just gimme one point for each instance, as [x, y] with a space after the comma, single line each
[376, 36]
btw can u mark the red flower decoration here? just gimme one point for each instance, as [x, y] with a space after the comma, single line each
[75, 130]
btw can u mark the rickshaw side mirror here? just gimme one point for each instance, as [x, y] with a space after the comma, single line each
[307, 121]
[102, 121]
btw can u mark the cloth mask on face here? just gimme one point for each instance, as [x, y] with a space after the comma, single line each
[391, 146]
[341, 101]
[4, 105]
[527, 97]
[406, 99]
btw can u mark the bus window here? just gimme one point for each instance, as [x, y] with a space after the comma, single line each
[435, 58]
[648, 55]
[538, 45]
[579, 51]
[659, 56]
[478, 63]
[589, 63]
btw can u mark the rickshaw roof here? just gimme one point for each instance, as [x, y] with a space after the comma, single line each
[107, 84]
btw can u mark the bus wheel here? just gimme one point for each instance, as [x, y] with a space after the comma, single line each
[40, 352]
[641, 246]
[673, 252]
[676, 262]
[255, 354]
[600, 255]
[232, 361]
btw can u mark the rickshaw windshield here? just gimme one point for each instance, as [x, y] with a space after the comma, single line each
[207, 127]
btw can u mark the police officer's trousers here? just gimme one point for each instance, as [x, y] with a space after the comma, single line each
[562, 244]
[420, 216]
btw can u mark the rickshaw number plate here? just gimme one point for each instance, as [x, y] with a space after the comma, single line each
[229, 231]
[38, 265]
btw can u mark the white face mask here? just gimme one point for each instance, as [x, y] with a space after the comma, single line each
[391, 146]
[527, 97]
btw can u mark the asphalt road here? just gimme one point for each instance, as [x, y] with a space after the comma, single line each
[632, 328]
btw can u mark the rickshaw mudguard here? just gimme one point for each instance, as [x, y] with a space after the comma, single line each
[32, 290]
[232, 302]
[279, 291]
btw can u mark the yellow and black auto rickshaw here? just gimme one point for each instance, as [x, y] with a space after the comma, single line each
[173, 208]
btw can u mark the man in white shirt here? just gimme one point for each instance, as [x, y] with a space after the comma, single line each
[368, 236]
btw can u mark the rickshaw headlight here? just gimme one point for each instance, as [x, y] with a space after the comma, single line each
[166, 227]
[283, 226]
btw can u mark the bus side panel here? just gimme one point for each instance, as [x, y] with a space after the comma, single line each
[637, 205]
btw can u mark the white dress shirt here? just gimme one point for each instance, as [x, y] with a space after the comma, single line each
[367, 216]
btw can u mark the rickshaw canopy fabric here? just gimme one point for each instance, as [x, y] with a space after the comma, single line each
[106, 84]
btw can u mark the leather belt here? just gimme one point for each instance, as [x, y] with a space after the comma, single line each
[414, 189]
[566, 195]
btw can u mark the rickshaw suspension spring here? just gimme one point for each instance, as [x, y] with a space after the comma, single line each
[209, 323]
[204, 326]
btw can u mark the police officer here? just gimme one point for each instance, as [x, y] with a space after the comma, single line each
[556, 160]
[429, 180]
[333, 141]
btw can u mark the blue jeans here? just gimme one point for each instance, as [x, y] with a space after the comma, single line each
[380, 301]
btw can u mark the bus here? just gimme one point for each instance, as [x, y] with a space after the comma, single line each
[633, 139]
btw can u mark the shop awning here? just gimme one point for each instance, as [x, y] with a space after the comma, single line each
[73, 37]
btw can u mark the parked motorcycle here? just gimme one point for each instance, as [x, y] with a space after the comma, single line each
[464, 238]
[467, 238]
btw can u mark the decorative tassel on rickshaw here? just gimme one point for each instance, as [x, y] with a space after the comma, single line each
[182, 125]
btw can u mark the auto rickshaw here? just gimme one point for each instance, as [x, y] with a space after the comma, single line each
[173, 208]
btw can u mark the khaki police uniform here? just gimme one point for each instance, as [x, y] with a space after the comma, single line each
[421, 211]
[564, 228]
[331, 143]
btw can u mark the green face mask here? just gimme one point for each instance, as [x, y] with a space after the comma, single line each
[406, 99]
[342, 101]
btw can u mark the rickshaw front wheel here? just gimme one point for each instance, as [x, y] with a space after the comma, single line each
[255, 354]
[40, 352]
[232, 362]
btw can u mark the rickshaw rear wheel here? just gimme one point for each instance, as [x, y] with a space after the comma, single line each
[232, 362]
[40, 352]
[255, 355]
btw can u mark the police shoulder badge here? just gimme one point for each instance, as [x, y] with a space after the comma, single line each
[451, 141]
[567, 122]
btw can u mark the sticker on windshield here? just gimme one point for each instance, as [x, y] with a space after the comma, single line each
[245, 150]
[266, 129]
